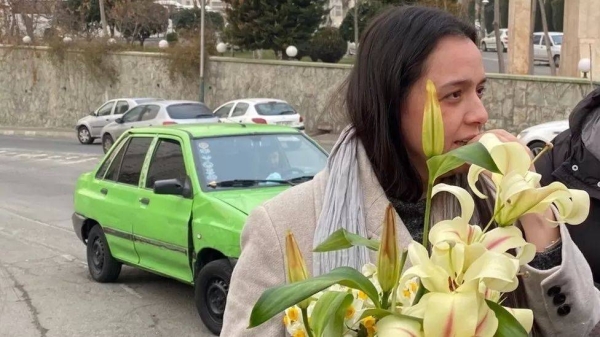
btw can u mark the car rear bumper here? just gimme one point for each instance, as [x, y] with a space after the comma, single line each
[78, 221]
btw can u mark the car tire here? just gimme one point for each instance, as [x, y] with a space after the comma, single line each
[84, 135]
[557, 60]
[107, 142]
[102, 266]
[484, 46]
[211, 286]
[536, 147]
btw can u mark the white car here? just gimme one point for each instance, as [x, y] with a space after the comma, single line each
[540, 52]
[260, 111]
[488, 43]
[89, 127]
[537, 136]
[155, 114]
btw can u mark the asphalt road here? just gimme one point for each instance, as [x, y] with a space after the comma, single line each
[490, 63]
[45, 288]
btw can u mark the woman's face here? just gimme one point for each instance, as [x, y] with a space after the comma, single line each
[456, 68]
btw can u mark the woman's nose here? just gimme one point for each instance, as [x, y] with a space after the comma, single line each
[477, 113]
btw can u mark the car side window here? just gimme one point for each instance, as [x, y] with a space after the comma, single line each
[134, 114]
[121, 108]
[113, 171]
[223, 112]
[106, 109]
[240, 110]
[167, 163]
[108, 161]
[150, 113]
[133, 160]
[537, 39]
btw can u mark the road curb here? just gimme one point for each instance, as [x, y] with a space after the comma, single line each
[38, 133]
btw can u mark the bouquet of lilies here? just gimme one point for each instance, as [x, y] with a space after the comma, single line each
[457, 277]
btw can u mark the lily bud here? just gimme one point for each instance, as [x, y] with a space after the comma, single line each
[433, 126]
[388, 262]
[295, 265]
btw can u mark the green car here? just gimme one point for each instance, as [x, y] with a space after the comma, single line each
[173, 200]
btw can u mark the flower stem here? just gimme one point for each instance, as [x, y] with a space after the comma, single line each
[546, 148]
[427, 216]
[385, 299]
[305, 319]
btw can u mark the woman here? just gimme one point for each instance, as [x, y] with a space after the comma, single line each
[379, 160]
[574, 161]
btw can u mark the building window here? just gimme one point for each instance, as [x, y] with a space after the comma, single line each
[337, 10]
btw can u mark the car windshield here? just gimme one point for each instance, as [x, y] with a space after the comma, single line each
[557, 39]
[257, 160]
[274, 109]
[188, 111]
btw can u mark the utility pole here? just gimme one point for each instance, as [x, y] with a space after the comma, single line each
[202, 8]
[103, 18]
[356, 23]
[499, 45]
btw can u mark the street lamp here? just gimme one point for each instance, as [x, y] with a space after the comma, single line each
[26, 39]
[291, 51]
[67, 40]
[163, 44]
[221, 47]
[112, 41]
[585, 65]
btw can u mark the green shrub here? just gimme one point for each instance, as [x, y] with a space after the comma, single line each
[328, 45]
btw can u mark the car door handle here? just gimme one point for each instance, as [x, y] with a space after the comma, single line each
[144, 201]
[104, 191]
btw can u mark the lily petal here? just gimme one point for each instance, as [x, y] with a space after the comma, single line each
[524, 316]
[502, 239]
[498, 271]
[394, 326]
[574, 210]
[472, 177]
[433, 126]
[467, 204]
[487, 323]
[451, 314]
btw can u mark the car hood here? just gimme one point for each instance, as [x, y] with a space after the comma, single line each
[560, 125]
[85, 119]
[247, 199]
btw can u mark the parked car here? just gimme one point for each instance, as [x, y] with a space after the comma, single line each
[537, 136]
[157, 113]
[260, 111]
[173, 200]
[540, 52]
[89, 127]
[488, 43]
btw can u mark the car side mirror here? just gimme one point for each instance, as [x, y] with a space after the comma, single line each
[173, 187]
[119, 120]
[93, 113]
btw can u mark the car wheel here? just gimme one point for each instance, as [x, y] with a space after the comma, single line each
[102, 266]
[536, 147]
[107, 142]
[210, 293]
[556, 60]
[84, 135]
[484, 46]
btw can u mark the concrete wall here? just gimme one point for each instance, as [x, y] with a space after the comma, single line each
[37, 92]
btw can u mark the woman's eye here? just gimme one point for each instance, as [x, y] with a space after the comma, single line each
[481, 92]
[455, 95]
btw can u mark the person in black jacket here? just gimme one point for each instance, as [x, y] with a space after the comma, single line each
[575, 161]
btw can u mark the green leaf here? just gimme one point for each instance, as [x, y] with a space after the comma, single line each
[508, 326]
[474, 153]
[381, 313]
[342, 239]
[277, 299]
[328, 314]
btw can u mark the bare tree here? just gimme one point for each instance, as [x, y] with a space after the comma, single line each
[547, 39]
[499, 46]
[356, 35]
[531, 50]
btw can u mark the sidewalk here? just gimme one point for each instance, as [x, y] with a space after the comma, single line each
[327, 140]
[37, 132]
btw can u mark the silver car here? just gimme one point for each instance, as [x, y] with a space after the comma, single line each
[90, 127]
[155, 114]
